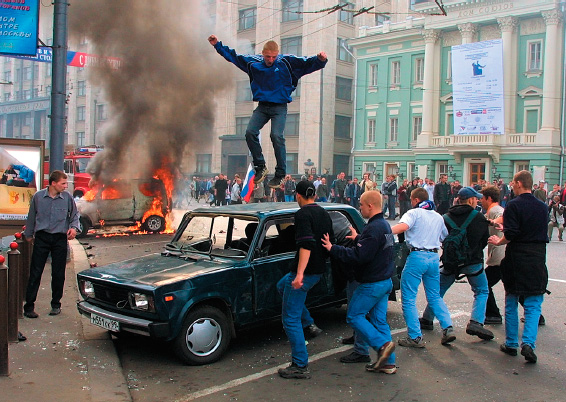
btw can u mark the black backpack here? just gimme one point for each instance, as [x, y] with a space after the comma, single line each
[456, 249]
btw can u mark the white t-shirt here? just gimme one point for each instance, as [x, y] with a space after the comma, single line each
[426, 228]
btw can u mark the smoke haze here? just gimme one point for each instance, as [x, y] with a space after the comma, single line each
[161, 100]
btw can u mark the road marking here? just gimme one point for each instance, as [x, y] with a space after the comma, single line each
[273, 370]
[557, 280]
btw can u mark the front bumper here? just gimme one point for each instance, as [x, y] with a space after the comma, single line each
[127, 323]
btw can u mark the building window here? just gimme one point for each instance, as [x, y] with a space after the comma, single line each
[7, 76]
[448, 67]
[347, 16]
[292, 163]
[35, 92]
[371, 131]
[342, 126]
[381, 18]
[81, 88]
[27, 94]
[204, 163]
[101, 112]
[412, 173]
[243, 91]
[292, 45]
[6, 96]
[395, 73]
[535, 56]
[419, 70]
[81, 110]
[449, 124]
[344, 51]
[35, 70]
[417, 127]
[441, 168]
[292, 124]
[292, 10]
[393, 129]
[80, 138]
[521, 165]
[369, 167]
[48, 70]
[531, 121]
[27, 119]
[27, 73]
[343, 88]
[241, 125]
[341, 163]
[247, 19]
[373, 73]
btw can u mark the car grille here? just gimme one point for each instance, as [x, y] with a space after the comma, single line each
[118, 297]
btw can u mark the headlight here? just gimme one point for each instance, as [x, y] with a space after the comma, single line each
[87, 289]
[141, 301]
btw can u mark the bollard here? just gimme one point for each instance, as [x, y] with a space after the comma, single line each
[4, 361]
[26, 250]
[22, 244]
[14, 261]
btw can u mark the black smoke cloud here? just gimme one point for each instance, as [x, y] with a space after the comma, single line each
[161, 99]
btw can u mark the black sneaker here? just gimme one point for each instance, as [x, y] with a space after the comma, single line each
[493, 320]
[31, 314]
[260, 173]
[55, 311]
[508, 350]
[529, 354]
[426, 324]
[312, 331]
[355, 357]
[276, 181]
[348, 341]
[477, 329]
[294, 371]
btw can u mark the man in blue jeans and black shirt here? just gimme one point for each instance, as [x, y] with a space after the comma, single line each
[273, 77]
[311, 223]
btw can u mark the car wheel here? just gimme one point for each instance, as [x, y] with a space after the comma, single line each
[78, 194]
[154, 223]
[204, 337]
[84, 226]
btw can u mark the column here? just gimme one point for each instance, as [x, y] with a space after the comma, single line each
[430, 38]
[468, 31]
[551, 80]
[508, 27]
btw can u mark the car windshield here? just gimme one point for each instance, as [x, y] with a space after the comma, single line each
[82, 164]
[224, 236]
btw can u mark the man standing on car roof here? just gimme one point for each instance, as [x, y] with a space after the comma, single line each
[311, 223]
[372, 258]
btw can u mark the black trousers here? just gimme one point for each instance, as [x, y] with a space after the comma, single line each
[493, 274]
[45, 243]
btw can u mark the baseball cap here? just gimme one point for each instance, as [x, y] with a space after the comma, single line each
[306, 188]
[468, 192]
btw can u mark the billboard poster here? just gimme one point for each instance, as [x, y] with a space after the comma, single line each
[477, 83]
[19, 22]
[74, 59]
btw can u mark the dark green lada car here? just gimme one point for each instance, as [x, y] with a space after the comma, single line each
[216, 276]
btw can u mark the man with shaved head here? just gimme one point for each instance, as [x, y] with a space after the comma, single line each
[372, 257]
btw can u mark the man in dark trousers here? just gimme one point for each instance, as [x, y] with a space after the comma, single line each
[52, 219]
[311, 223]
[442, 195]
[353, 193]
[220, 187]
[523, 270]
[273, 77]
[372, 258]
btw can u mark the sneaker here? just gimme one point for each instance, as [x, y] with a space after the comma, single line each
[276, 181]
[447, 336]
[55, 311]
[541, 320]
[260, 173]
[508, 350]
[348, 341]
[477, 329]
[31, 314]
[387, 369]
[426, 324]
[411, 343]
[294, 371]
[355, 357]
[493, 320]
[529, 354]
[312, 331]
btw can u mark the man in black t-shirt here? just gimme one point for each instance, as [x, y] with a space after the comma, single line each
[220, 187]
[311, 223]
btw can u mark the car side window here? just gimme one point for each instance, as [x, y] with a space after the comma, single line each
[278, 237]
[341, 227]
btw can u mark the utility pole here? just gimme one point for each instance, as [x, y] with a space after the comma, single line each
[58, 85]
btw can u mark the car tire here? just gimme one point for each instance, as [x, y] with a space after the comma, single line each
[78, 194]
[204, 337]
[154, 223]
[84, 226]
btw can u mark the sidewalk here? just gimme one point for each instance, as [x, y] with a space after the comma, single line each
[64, 358]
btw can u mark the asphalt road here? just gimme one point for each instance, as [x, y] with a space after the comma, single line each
[468, 370]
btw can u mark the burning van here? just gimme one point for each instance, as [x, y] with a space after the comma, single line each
[125, 202]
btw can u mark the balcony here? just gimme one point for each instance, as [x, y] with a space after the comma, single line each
[480, 140]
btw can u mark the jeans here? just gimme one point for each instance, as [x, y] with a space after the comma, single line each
[355, 202]
[295, 315]
[479, 286]
[385, 203]
[277, 113]
[422, 266]
[370, 299]
[360, 346]
[391, 206]
[289, 198]
[532, 307]
[493, 274]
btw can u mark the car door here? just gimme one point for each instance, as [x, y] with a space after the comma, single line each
[116, 202]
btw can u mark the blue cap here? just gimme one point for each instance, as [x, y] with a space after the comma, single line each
[468, 192]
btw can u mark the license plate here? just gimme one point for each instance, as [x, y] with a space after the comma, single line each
[110, 325]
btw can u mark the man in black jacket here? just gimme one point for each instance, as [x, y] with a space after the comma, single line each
[372, 257]
[477, 234]
[442, 193]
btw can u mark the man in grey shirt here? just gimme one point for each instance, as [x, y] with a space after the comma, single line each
[52, 219]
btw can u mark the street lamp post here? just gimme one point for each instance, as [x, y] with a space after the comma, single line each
[495, 174]
[451, 172]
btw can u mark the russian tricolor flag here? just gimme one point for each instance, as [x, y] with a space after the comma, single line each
[249, 184]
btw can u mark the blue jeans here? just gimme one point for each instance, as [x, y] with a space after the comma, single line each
[422, 266]
[277, 113]
[370, 299]
[479, 286]
[391, 206]
[289, 198]
[295, 315]
[532, 307]
[321, 199]
[385, 204]
[360, 346]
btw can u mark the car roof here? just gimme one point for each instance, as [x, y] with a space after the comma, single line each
[260, 210]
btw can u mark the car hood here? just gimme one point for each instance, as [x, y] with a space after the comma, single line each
[155, 269]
